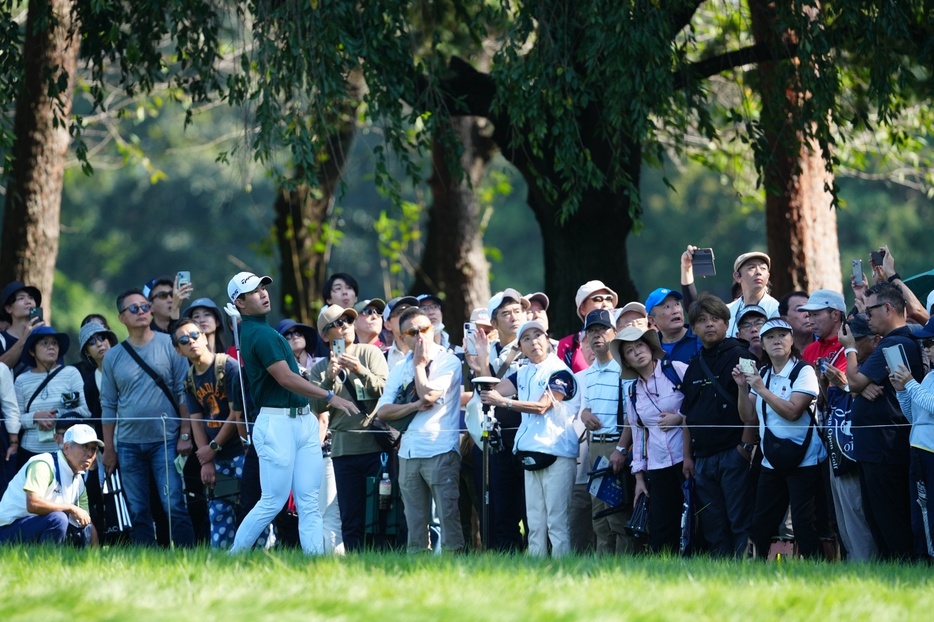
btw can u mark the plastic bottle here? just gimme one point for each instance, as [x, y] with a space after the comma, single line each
[385, 492]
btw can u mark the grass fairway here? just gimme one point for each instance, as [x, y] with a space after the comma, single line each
[126, 584]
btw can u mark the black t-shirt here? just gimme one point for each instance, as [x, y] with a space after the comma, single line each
[880, 430]
[714, 422]
[211, 402]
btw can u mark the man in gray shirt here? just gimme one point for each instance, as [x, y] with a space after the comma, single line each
[153, 420]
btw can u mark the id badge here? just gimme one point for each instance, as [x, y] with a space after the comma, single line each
[359, 389]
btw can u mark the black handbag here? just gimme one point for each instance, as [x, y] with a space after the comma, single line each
[638, 525]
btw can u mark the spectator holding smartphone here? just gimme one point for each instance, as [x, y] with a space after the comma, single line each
[884, 272]
[18, 300]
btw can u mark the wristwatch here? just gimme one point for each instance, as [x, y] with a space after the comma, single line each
[749, 447]
[213, 445]
[185, 437]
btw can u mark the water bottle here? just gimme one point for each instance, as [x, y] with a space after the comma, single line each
[385, 492]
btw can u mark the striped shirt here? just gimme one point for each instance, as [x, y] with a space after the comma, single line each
[601, 394]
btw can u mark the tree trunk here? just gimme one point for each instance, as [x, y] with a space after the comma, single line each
[301, 218]
[34, 191]
[590, 245]
[453, 262]
[801, 223]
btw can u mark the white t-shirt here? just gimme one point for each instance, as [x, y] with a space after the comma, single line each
[767, 302]
[779, 383]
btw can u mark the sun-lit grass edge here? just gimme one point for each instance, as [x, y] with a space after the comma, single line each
[50, 584]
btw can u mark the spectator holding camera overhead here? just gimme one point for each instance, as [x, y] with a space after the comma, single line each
[880, 436]
[166, 294]
[42, 391]
[21, 308]
[883, 270]
[750, 271]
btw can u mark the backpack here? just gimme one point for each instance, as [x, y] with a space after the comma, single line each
[670, 372]
[220, 373]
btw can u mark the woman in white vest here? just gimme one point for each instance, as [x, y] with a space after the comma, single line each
[546, 444]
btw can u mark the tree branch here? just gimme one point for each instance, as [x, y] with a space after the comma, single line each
[713, 65]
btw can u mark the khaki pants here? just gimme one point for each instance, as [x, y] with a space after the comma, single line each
[610, 531]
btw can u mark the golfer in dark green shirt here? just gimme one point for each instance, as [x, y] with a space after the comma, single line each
[286, 433]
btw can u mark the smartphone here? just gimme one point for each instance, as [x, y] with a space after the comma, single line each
[35, 312]
[747, 366]
[858, 271]
[184, 277]
[338, 346]
[703, 261]
[895, 356]
[876, 257]
[470, 329]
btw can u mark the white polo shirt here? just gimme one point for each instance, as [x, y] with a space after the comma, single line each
[437, 430]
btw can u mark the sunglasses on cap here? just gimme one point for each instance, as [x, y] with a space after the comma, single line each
[187, 338]
[412, 332]
[136, 309]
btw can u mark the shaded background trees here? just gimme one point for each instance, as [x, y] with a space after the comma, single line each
[580, 94]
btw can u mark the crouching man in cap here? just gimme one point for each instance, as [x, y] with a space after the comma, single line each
[47, 500]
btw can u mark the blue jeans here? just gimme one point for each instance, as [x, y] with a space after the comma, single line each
[50, 528]
[137, 461]
[725, 508]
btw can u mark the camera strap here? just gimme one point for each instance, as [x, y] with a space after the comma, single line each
[152, 374]
[58, 477]
[44, 384]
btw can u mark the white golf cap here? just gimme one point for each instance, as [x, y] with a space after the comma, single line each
[497, 300]
[244, 283]
[824, 299]
[82, 434]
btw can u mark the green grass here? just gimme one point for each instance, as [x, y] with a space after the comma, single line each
[140, 585]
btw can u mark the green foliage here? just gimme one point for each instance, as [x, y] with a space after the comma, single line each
[137, 584]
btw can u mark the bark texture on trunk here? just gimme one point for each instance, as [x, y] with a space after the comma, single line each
[453, 262]
[34, 191]
[302, 214]
[801, 222]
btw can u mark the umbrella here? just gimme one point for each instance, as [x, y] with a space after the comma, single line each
[921, 284]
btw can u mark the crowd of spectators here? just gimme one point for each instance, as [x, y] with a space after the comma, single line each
[797, 419]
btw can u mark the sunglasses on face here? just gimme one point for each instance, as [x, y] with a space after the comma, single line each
[413, 332]
[872, 308]
[338, 323]
[370, 311]
[162, 295]
[136, 309]
[292, 334]
[601, 298]
[184, 340]
[96, 339]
